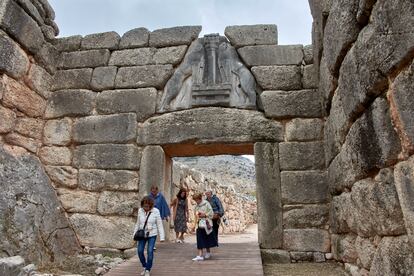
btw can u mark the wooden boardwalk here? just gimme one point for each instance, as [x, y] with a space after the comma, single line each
[232, 259]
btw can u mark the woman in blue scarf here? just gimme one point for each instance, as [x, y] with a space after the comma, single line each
[160, 203]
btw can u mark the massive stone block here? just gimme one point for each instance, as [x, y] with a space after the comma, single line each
[288, 104]
[48, 57]
[118, 203]
[306, 240]
[304, 187]
[278, 77]
[209, 125]
[8, 119]
[109, 156]
[152, 169]
[271, 55]
[301, 156]
[135, 38]
[30, 144]
[120, 128]
[304, 130]
[246, 35]
[72, 79]
[63, 176]
[365, 249]
[143, 76]
[147, 56]
[24, 187]
[371, 144]
[13, 60]
[113, 180]
[174, 36]
[76, 201]
[70, 103]
[308, 54]
[39, 80]
[68, 44]
[55, 155]
[107, 40]
[20, 25]
[402, 100]
[106, 232]
[57, 132]
[140, 101]
[18, 96]
[404, 183]
[268, 195]
[371, 208]
[305, 216]
[29, 127]
[310, 77]
[343, 248]
[80, 59]
[103, 78]
[394, 256]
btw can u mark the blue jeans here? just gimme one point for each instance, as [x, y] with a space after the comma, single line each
[147, 264]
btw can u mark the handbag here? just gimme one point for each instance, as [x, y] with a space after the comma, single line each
[140, 234]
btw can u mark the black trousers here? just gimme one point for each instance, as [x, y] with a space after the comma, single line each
[216, 224]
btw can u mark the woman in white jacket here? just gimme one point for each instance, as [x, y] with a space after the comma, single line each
[152, 229]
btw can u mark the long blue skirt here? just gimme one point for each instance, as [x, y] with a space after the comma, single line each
[204, 240]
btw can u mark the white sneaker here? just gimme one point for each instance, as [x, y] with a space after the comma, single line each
[198, 258]
[207, 256]
[143, 272]
[147, 273]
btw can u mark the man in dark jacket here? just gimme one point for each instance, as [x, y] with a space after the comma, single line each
[217, 209]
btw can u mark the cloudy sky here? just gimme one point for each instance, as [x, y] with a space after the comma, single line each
[91, 16]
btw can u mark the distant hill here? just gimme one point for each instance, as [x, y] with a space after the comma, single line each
[229, 170]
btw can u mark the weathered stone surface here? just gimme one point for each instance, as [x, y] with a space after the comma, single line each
[11, 266]
[105, 129]
[340, 32]
[108, 40]
[29, 127]
[304, 130]
[70, 103]
[147, 56]
[306, 240]
[301, 256]
[278, 77]
[268, 190]
[371, 208]
[8, 119]
[81, 59]
[152, 169]
[13, 60]
[118, 203]
[327, 83]
[72, 79]
[20, 25]
[304, 186]
[103, 78]
[68, 44]
[310, 77]
[21, 97]
[275, 256]
[30, 9]
[64, 176]
[30, 144]
[97, 231]
[271, 55]
[394, 256]
[365, 250]
[308, 54]
[97, 180]
[48, 57]
[404, 183]
[55, 155]
[24, 188]
[287, 104]
[343, 248]
[135, 38]
[209, 125]
[39, 80]
[143, 76]
[245, 35]
[109, 156]
[305, 216]
[57, 132]
[301, 156]
[78, 201]
[140, 101]
[402, 99]
[174, 36]
[371, 144]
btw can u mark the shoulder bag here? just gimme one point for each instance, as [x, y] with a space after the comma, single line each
[140, 234]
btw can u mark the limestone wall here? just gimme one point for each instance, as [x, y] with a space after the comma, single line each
[364, 51]
[32, 222]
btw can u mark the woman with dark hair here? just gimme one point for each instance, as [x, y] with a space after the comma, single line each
[180, 215]
[149, 220]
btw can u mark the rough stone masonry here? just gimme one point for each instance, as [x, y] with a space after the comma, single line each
[87, 124]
